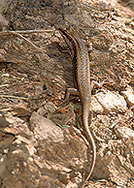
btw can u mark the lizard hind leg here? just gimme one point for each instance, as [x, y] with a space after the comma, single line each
[70, 91]
[65, 102]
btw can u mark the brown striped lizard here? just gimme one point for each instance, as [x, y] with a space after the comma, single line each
[81, 69]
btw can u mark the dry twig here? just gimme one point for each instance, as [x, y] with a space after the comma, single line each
[20, 36]
[15, 97]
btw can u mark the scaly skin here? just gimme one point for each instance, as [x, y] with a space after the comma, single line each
[81, 70]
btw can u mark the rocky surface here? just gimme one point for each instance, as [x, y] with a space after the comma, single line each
[42, 144]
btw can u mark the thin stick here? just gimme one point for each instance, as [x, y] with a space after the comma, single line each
[15, 97]
[20, 36]
[28, 31]
[4, 85]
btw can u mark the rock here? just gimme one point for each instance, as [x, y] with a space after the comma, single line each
[61, 153]
[20, 110]
[44, 128]
[4, 24]
[110, 102]
[116, 157]
[129, 95]
[125, 133]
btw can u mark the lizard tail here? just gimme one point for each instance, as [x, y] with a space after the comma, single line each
[90, 139]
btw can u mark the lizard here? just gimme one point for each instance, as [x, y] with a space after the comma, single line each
[81, 69]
